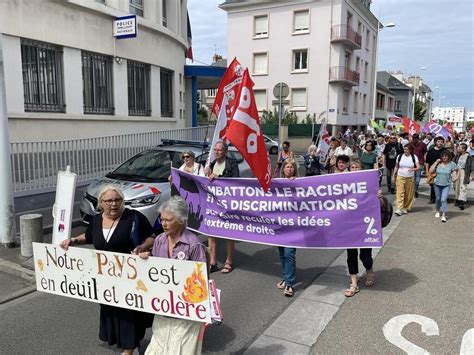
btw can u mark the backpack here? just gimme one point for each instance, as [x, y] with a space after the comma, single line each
[386, 211]
[412, 157]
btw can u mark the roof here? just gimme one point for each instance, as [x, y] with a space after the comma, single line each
[384, 88]
[389, 81]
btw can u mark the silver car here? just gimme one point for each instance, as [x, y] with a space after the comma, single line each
[271, 144]
[143, 179]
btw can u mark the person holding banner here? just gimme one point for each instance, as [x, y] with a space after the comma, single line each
[189, 165]
[443, 168]
[121, 230]
[342, 163]
[222, 166]
[173, 335]
[289, 170]
[284, 154]
[404, 175]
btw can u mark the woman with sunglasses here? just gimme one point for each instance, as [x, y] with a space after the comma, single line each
[189, 165]
[118, 229]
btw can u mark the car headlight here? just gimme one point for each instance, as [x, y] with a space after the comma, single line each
[144, 201]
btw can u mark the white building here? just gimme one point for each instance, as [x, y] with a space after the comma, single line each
[454, 115]
[66, 76]
[470, 117]
[324, 50]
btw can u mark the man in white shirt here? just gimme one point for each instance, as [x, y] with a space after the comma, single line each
[343, 149]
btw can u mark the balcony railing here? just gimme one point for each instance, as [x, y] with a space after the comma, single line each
[344, 74]
[346, 34]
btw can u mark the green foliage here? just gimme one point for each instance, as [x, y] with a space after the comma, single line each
[202, 116]
[420, 111]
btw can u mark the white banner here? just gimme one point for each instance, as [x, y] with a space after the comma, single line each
[64, 205]
[169, 287]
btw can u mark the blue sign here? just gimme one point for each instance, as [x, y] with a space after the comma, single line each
[125, 27]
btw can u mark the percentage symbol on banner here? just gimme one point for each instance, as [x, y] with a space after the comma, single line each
[370, 223]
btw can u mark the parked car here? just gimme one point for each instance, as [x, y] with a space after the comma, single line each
[271, 144]
[143, 179]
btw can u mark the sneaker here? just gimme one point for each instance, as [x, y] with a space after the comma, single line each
[404, 211]
[443, 219]
[416, 193]
[398, 212]
[437, 215]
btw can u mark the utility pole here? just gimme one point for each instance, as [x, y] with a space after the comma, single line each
[7, 218]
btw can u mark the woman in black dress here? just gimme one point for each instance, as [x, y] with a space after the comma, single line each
[120, 230]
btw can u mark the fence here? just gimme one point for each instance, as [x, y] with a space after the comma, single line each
[35, 164]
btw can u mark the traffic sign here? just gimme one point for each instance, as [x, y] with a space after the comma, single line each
[283, 102]
[281, 91]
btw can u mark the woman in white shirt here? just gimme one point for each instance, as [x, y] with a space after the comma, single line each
[404, 174]
[343, 149]
[190, 166]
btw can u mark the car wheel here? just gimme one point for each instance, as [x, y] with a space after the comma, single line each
[274, 150]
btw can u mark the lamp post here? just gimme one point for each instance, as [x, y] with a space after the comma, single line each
[414, 93]
[380, 27]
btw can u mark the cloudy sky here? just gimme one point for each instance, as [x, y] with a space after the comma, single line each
[436, 34]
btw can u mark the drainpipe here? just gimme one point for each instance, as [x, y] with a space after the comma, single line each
[333, 133]
[194, 101]
[7, 219]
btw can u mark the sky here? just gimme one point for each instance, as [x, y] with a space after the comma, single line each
[432, 34]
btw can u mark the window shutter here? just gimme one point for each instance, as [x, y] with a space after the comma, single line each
[298, 98]
[301, 21]
[260, 63]
[260, 99]
[261, 25]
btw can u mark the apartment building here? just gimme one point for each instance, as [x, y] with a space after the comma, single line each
[66, 75]
[454, 115]
[384, 104]
[423, 93]
[403, 100]
[324, 50]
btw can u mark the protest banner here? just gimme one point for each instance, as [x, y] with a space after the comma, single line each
[169, 287]
[436, 129]
[326, 211]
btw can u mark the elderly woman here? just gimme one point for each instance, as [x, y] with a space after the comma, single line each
[114, 230]
[289, 171]
[171, 335]
[404, 173]
[311, 162]
[444, 168]
[189, 165]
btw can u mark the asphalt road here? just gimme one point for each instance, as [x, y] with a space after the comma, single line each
[45, 324]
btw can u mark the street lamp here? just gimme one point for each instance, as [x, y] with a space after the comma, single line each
[414, 93]
[380, 27]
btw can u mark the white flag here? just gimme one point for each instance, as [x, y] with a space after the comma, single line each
[219, 131]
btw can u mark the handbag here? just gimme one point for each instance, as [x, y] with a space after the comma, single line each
[430, 178]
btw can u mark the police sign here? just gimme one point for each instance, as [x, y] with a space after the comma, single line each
[125, 27]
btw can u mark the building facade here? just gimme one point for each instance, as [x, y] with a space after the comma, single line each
[324, 50]
[403, 100]
[66, 76]
[454, 115]
[384, 103]
[423, 94]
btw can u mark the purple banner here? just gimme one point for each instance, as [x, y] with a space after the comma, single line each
[435, 129]
[328, 211]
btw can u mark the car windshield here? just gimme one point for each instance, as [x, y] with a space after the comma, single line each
[148, 166]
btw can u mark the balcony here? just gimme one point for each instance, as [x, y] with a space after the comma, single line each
[347, 35]
[344, 75]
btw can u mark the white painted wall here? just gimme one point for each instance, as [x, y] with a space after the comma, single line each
[87, 25]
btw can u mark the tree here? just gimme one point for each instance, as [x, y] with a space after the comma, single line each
[202, 116]
[420, 111]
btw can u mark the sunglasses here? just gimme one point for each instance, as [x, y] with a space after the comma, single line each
[186, 156]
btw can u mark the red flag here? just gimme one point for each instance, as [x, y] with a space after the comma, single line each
[449, 127]
[411, 126]
[245, 133]
[189, 52]
[229, 85]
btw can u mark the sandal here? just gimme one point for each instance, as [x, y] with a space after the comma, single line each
[351, 291]
[227, 269]
[369, 280]
[288, 291]
[213, 268]
[281, 284]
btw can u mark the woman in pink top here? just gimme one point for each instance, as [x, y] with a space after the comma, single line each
[172, 335]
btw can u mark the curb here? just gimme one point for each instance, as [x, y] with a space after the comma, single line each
[21, 272]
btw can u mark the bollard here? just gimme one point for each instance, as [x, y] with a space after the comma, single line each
[31, 230]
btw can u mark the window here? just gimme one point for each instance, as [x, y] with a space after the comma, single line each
[356, 102]
[380, 101]
[367, 39]
[390, 104]
[97, 83]
[260, 63]
[345, 101]
[364, 103]
[261, 99]
[298, 99]
[43, 87]
[138, 89]
[211, 92]
[300, 60]
[301, 21]
[397, 107]
[357, 66]
[260, 26]
[166, 88]
[359, 27]
[366, 73]
[136, 7]
[164, 15]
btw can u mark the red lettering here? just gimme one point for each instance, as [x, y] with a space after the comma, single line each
[153, 301]
[200, 309]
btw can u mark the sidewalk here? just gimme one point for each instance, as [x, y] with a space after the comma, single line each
[425, 276]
